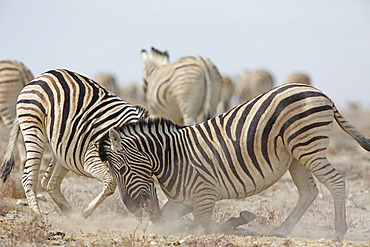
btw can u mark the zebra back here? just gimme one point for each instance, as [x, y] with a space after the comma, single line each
[181, 90]
[14, 76]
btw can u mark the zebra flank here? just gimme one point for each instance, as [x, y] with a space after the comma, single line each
[236, 154]
[183, 91]
[67, 112]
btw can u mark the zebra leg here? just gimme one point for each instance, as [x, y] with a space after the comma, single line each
[174, 210]
[308, 192]
[203, 211]
[335, 183]
[98, 170]
[53, 186]
[35, 144]
[46, 178]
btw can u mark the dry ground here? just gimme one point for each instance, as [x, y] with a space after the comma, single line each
[111, 225]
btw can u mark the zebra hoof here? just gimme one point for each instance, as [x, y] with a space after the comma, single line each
[244, 218]
[278, 232]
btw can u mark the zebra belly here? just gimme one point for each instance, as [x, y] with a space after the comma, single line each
[255, 182]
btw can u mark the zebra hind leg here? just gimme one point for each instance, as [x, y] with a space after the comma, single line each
[46, 178]
[34, 152]
[53, 187]
[308, 192]
[335, 183]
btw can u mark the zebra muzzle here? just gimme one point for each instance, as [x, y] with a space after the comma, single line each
[145, 200]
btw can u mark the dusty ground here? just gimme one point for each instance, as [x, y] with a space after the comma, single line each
[111, 225]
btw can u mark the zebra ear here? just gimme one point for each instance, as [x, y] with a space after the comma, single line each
[144, 55]
[115, 140]
[167, 55]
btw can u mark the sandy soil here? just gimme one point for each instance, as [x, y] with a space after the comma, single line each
[112, 225]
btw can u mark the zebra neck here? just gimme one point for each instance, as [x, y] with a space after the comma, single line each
[169, 157]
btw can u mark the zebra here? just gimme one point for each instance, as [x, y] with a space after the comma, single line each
[181, 90]
[227, 92]
[252, 83]
[236, 155]
[298, 77]
[108, 81]
[14, 75]
[69, 113]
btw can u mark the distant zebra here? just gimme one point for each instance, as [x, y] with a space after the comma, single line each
[68, 112]
[181, 90]
[14, 76]
[227, 92]
[298, 77]
[237, 154]
[108, 81]
[252, 83]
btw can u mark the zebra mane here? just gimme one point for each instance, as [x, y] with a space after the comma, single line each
[144, 113]
[161, 57]
[146, 124]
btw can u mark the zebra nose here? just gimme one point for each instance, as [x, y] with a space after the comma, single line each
[145, 200]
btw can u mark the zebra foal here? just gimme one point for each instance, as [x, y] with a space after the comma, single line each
[235, 155]
[69, 113]
[14, 75]
[182, 90]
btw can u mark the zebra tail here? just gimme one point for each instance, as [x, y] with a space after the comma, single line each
[8, 160]
[352, 131]
[207, 108]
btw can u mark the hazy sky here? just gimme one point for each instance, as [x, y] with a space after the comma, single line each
[329, 40]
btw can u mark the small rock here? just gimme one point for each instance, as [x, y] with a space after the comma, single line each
[41, 197]
[22, 202]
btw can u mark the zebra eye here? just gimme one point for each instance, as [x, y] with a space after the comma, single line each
[122, 170]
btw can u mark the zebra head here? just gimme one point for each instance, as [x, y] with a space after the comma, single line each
[131, 170]
[152, 62]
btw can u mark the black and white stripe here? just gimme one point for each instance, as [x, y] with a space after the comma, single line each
[14, 75]
[237, 154]
[69, 113]
[182, 90]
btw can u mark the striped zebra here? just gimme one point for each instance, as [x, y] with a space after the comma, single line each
[252, 83]
[183, 90]
[14, 76]
[237, 154]
[69, 113]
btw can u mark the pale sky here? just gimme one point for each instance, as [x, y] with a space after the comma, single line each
[327, 39]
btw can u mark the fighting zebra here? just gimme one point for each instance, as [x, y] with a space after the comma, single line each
[237, 154]
[252, 83]
[183, 90]
[69, 113]
[14, 76]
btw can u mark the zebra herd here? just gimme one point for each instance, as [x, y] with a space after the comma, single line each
[198, 158]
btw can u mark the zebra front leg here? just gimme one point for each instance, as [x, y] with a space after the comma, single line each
[307, 190]
[53, 186]
[97, 169]
[174, 210]
[203, 210]
[335, 183]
